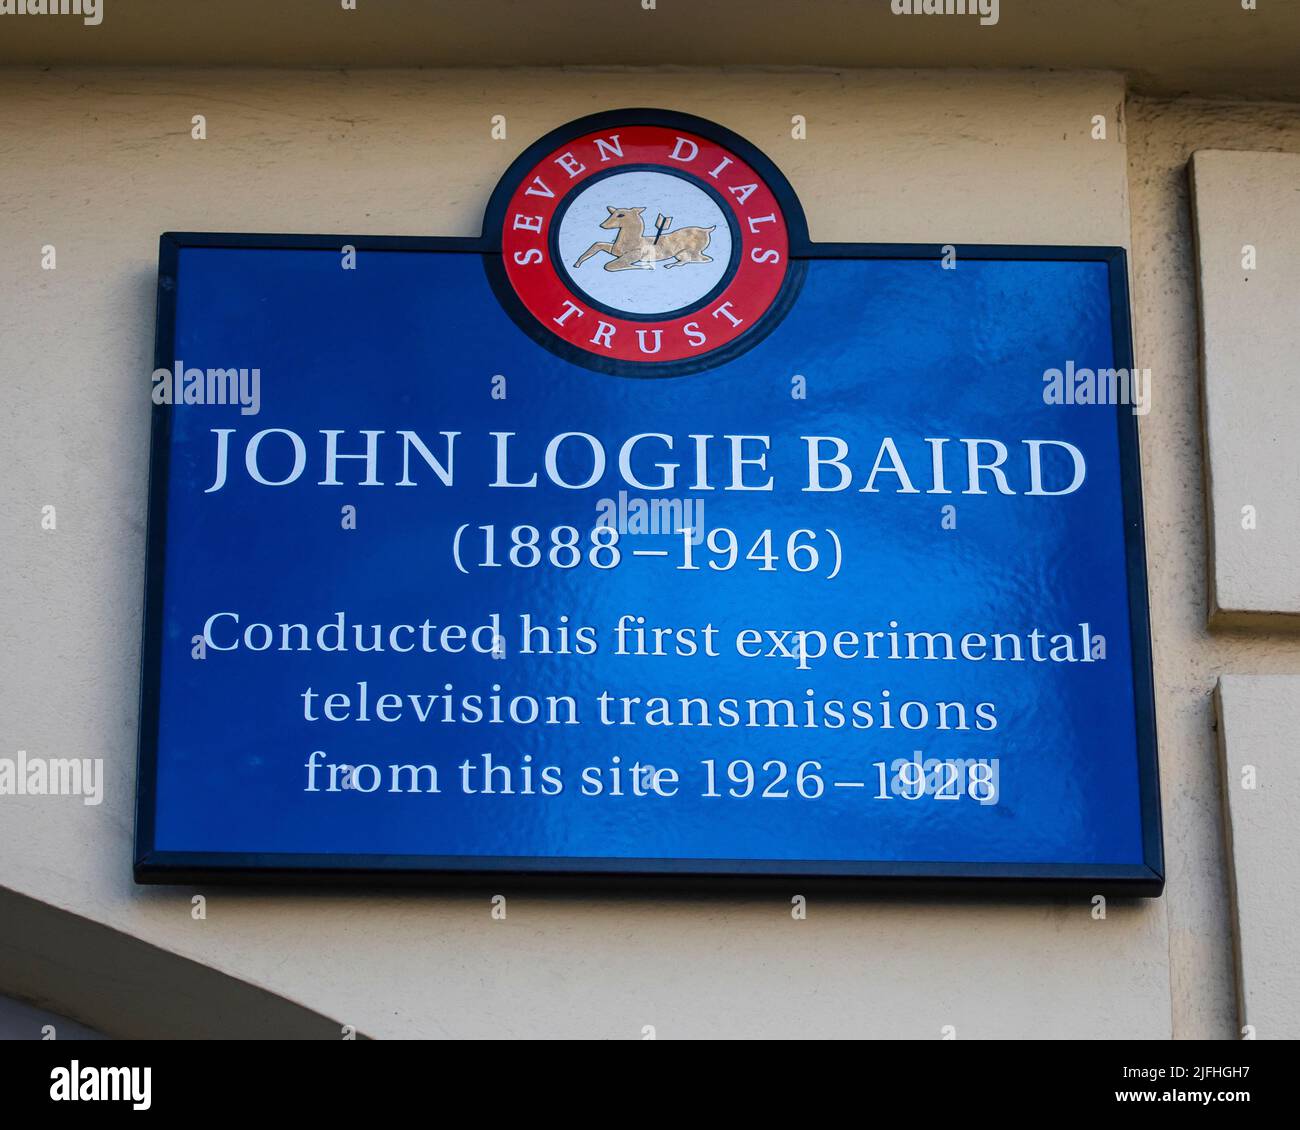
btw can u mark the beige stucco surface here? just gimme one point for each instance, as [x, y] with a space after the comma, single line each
[100, 162]
[104, 161]
[1261, 778]
[1189, 658]
[1247, 205]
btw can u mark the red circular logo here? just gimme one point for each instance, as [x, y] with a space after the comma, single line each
[640, 247]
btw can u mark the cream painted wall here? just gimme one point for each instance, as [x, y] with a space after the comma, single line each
[99, 162]
[1162, 136]
[1250, 392]
[1261, 778]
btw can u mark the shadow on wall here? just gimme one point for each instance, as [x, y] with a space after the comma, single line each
[124, 988]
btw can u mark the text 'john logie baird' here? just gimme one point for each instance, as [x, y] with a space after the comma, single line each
[651, 461]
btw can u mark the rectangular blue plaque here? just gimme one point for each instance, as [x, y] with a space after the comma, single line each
[859, 604]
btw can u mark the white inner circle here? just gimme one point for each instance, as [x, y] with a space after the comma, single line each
[651, 276]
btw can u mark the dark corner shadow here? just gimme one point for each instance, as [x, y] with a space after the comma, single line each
[129, 989]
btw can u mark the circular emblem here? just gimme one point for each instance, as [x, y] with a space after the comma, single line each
[645, 243]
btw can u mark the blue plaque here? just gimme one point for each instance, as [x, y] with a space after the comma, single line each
[644, 538]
